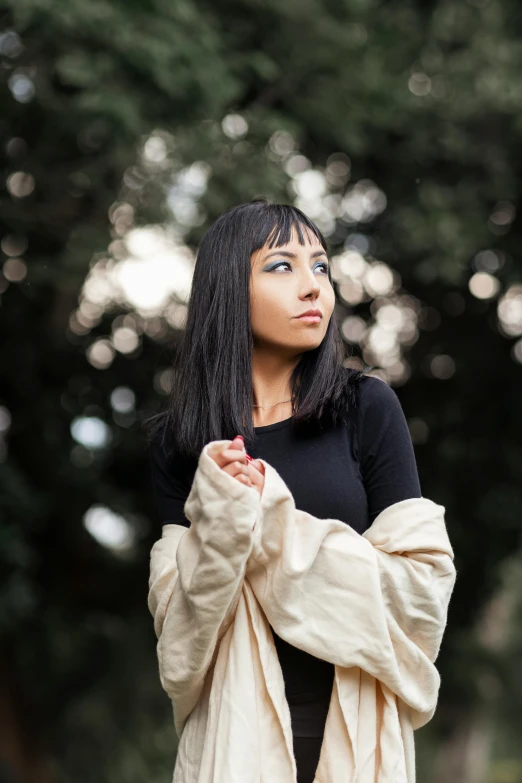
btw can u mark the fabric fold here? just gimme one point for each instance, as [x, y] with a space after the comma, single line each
[196, 577]
[377, 601]
[373, 605]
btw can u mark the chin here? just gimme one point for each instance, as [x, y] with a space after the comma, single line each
[309, 345]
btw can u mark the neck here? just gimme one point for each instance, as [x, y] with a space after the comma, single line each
[271, 384]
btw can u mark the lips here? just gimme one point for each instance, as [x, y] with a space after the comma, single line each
[310, 313]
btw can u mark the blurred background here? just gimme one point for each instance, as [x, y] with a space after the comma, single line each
[126, 128]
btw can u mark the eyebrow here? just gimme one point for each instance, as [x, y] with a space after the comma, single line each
[293, 255]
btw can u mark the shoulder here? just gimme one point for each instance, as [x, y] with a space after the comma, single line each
[376, 396]
[161, 449]
[166, 460]
[158, 461]
[163, 457]
[380, 417]
[374, 388]
[155, 442]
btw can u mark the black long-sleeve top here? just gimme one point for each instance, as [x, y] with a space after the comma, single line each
[350, 472]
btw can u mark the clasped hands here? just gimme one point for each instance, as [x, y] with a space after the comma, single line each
[235, 461]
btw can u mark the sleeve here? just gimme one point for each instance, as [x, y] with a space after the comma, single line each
[376, 601]
[169, 487]
[196, 579]
[385, 449]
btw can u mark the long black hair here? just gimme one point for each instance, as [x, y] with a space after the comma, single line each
[211, 396]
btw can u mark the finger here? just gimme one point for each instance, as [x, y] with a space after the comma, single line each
[260, 467]
[234, 468]
[244, 478]
[230, 455]
[254, 472]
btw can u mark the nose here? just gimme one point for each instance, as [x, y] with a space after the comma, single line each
[312, 290]
[312, 284]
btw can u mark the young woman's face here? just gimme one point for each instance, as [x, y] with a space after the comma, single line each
[286, 281]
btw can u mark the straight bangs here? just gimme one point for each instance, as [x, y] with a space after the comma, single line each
[211, 396]
[275, 223]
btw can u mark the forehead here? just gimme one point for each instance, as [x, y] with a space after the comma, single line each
[309, 239]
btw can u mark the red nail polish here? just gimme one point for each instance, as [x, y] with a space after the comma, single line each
[249, 457]
[240, 436]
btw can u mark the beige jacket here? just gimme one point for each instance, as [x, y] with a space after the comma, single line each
[375, 605]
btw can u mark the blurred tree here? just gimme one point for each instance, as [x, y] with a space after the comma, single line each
[396, 125]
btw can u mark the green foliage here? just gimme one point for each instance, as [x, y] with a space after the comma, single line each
[425, 100]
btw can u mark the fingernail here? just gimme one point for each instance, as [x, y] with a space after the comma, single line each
[249, 457]
[240, 436]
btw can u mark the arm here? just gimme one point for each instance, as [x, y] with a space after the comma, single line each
[170, 481]
[196, 578]
[377, 601]
[383, 447]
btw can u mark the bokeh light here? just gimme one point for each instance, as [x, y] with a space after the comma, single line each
[110, 530]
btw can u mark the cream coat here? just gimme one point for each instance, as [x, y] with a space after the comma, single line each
[375, 605]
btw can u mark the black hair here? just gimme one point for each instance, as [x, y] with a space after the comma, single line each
[211, 395]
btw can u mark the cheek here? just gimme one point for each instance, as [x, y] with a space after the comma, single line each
[268, 305]
[326, 299]
[327, 295]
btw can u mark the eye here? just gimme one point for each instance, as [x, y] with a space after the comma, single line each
[287, 263]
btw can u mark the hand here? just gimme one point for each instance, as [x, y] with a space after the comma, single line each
[233, 460]
[257, 474]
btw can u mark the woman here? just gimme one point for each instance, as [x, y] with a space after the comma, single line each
[251, 366]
